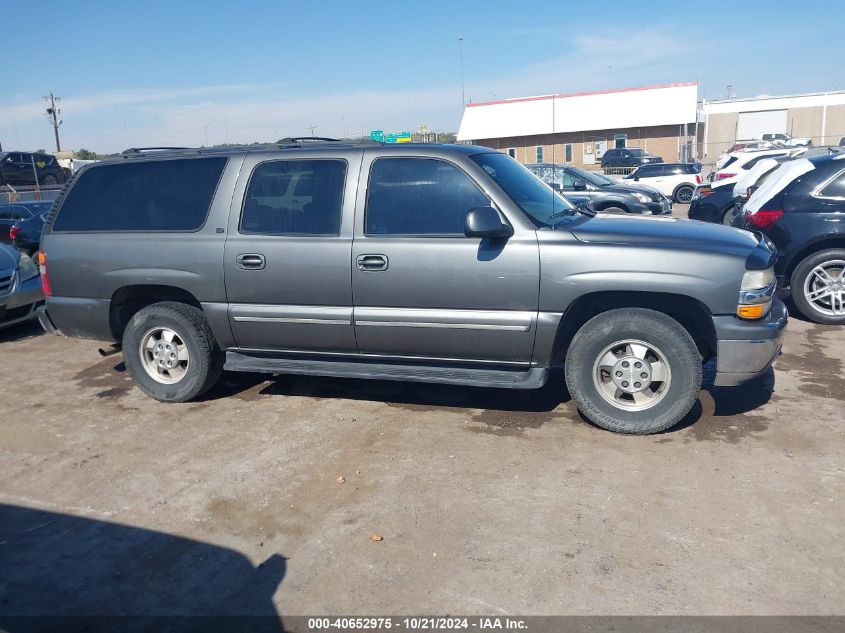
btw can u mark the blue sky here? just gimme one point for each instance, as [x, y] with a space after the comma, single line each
[160, 72]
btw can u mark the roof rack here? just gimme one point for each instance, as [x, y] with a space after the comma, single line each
[138, 150]
[307, 139]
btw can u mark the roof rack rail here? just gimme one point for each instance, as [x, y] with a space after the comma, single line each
[307, 139]
[138, 150]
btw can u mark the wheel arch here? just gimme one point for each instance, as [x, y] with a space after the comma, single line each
[691, 313]
[821, 244]
[126, 301]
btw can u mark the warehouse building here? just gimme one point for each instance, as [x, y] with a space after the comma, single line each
[818, 116]
[578, 128]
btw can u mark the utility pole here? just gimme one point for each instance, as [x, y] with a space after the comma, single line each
[53, 112]
[312, 128]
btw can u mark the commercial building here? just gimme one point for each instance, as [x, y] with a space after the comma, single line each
[578, 128]
[819, 116]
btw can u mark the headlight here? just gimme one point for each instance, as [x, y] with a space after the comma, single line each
[755, 293]
[644, 198]
[26, 268]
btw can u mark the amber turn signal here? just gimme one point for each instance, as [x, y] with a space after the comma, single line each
[752, 312]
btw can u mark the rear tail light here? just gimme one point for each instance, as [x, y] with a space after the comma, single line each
[41, 257]
[13, 231]
[723, 175]
[764, 219]
[697, 179]
[705, 191]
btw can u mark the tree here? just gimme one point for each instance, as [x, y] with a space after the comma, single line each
[85, 154]
[40, 151]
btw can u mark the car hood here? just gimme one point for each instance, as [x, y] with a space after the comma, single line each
[619, 187]
[673, 233]
[8, 257]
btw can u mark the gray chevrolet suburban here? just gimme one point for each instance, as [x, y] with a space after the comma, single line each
[434, 263]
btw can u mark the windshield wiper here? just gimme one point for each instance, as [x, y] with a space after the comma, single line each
[581, 207]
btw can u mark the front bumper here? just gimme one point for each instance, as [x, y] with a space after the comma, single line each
[19, 305]
[745, 349]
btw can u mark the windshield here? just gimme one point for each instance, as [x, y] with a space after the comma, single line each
[591, 177]
[538, 200]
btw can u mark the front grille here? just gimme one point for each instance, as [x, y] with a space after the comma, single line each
[7, 279]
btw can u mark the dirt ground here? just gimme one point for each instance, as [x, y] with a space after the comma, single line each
[263, 496]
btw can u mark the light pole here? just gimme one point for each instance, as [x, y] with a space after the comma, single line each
[208, 125]
[461, 53]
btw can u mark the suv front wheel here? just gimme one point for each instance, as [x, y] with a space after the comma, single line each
[171, 352]
[633, 370]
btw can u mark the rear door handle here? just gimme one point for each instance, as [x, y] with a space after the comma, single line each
[250, 261]
[371, 262]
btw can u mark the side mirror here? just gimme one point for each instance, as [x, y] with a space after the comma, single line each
[485, 222]
[556, 186]
[579, 185]
[636, 178]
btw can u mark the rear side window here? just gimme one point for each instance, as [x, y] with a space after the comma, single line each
[162, 195]
[835, 188]
[730, 161]
[295, 197]
[419, 196]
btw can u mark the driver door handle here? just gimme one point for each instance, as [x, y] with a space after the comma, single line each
[250, 261]
[371, 262]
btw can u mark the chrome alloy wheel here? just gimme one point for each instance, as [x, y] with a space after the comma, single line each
[824, 288]
[632, 375]
[164, 355]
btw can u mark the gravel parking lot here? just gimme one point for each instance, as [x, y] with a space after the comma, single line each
[265, 495]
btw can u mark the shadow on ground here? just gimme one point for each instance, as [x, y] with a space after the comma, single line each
[21, 332]
[63, 570]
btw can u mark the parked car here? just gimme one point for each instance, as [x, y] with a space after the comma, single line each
[25, 168]
[801, 208]
[20, 288]
[451, 264]
[628, 157]
[602, 193]
[674, 180]
[743, 161]
[785, 140]
[25, 234]
[17, 212]
[749, 145]
[722, 200]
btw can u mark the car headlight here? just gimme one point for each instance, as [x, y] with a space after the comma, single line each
[27, 268]
[642, 197]
[755, 293]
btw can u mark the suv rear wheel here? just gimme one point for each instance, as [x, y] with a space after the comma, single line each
[171, 352]
[633, 370]
[818, 287]
[683, 194]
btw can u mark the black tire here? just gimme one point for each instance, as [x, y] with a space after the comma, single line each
[654, 329]
[683, 194]
[206, 359]
[729, 215]
[50, 179]
[616, 210]
[800, 275]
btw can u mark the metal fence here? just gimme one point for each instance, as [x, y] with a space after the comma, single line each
[618, 171]
[29, 194]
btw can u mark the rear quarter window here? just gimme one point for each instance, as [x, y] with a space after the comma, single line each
[161, 195]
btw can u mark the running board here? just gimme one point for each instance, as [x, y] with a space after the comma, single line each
[533, 378]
